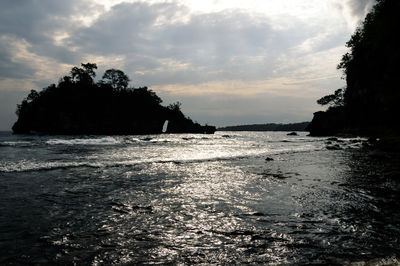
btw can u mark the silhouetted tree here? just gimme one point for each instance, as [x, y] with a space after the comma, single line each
[85, 74]
[117, 79]
[78, 106]
[334, 100]
[33, 95]
[369, 103]
[371, 66]
[175, 106]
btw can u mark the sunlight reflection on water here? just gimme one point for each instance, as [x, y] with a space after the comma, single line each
[196, 199]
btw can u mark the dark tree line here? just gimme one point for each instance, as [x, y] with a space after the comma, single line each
[268, 127]
[369, 102]
[78, 105]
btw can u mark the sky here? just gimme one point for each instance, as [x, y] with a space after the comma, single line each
[228, 62]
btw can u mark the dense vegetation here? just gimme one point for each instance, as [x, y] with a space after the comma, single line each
[368, 104]
[78, 105]
[268, 127]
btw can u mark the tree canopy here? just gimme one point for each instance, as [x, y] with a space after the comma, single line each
[334, 100]
[117, 79]
[369, 102]
[77, 105]
[85, 74]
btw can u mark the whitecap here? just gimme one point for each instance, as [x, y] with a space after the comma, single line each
[15, 143]
[95, 141]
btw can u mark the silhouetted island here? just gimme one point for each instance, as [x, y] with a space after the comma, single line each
[268, 127]
[78, 105]
[368, 105]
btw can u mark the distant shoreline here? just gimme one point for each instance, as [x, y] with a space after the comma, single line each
[301, 126]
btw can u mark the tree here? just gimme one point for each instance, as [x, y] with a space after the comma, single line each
[116, 78]
[107, 107]
[85, 74]
[371, 66]
[369, 103]
[175, 106]
[33, 95]
[333, 100]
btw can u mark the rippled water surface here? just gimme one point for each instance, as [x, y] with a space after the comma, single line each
[190, 199]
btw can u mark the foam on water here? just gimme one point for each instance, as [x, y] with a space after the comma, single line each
[15, 143]
[88, 141]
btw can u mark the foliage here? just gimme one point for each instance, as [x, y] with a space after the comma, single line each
[175, 106]
[333, 100]
[372, 63]
[85, 74]
[370, 100]
[77, 105]
[117, 79]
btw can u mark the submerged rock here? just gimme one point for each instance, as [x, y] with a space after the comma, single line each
[334, 147]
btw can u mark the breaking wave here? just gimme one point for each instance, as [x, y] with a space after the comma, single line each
[95, 141]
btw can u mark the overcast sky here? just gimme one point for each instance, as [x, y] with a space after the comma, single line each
[228, 61]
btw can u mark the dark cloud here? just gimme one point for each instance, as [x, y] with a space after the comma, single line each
[9, 68]
[360, 8]
[38, 22]
[222, 45]
[154, 46]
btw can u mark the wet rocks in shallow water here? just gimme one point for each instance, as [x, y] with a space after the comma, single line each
[334, 139]
[334, 147]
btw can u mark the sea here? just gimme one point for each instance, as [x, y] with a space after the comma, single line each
[229, 198]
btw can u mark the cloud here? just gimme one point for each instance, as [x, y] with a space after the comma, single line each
[159, 48]
[175, 51]
[359, 8]
[41, 23]
[10, 65]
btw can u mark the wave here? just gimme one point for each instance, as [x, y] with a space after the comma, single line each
[26, 166]
[95, 141]
[31, 166]
[15, 143]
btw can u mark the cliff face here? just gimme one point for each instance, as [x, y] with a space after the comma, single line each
[327, 123]
[371, 97]
[79, 106]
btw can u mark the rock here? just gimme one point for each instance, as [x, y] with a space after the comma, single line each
[333, 139]
[334, 147]
[269, 159]
[292, 134]
[328, 123]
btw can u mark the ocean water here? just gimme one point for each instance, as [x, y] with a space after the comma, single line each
[188, 199]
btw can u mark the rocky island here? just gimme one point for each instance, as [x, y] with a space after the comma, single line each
[78, 105]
